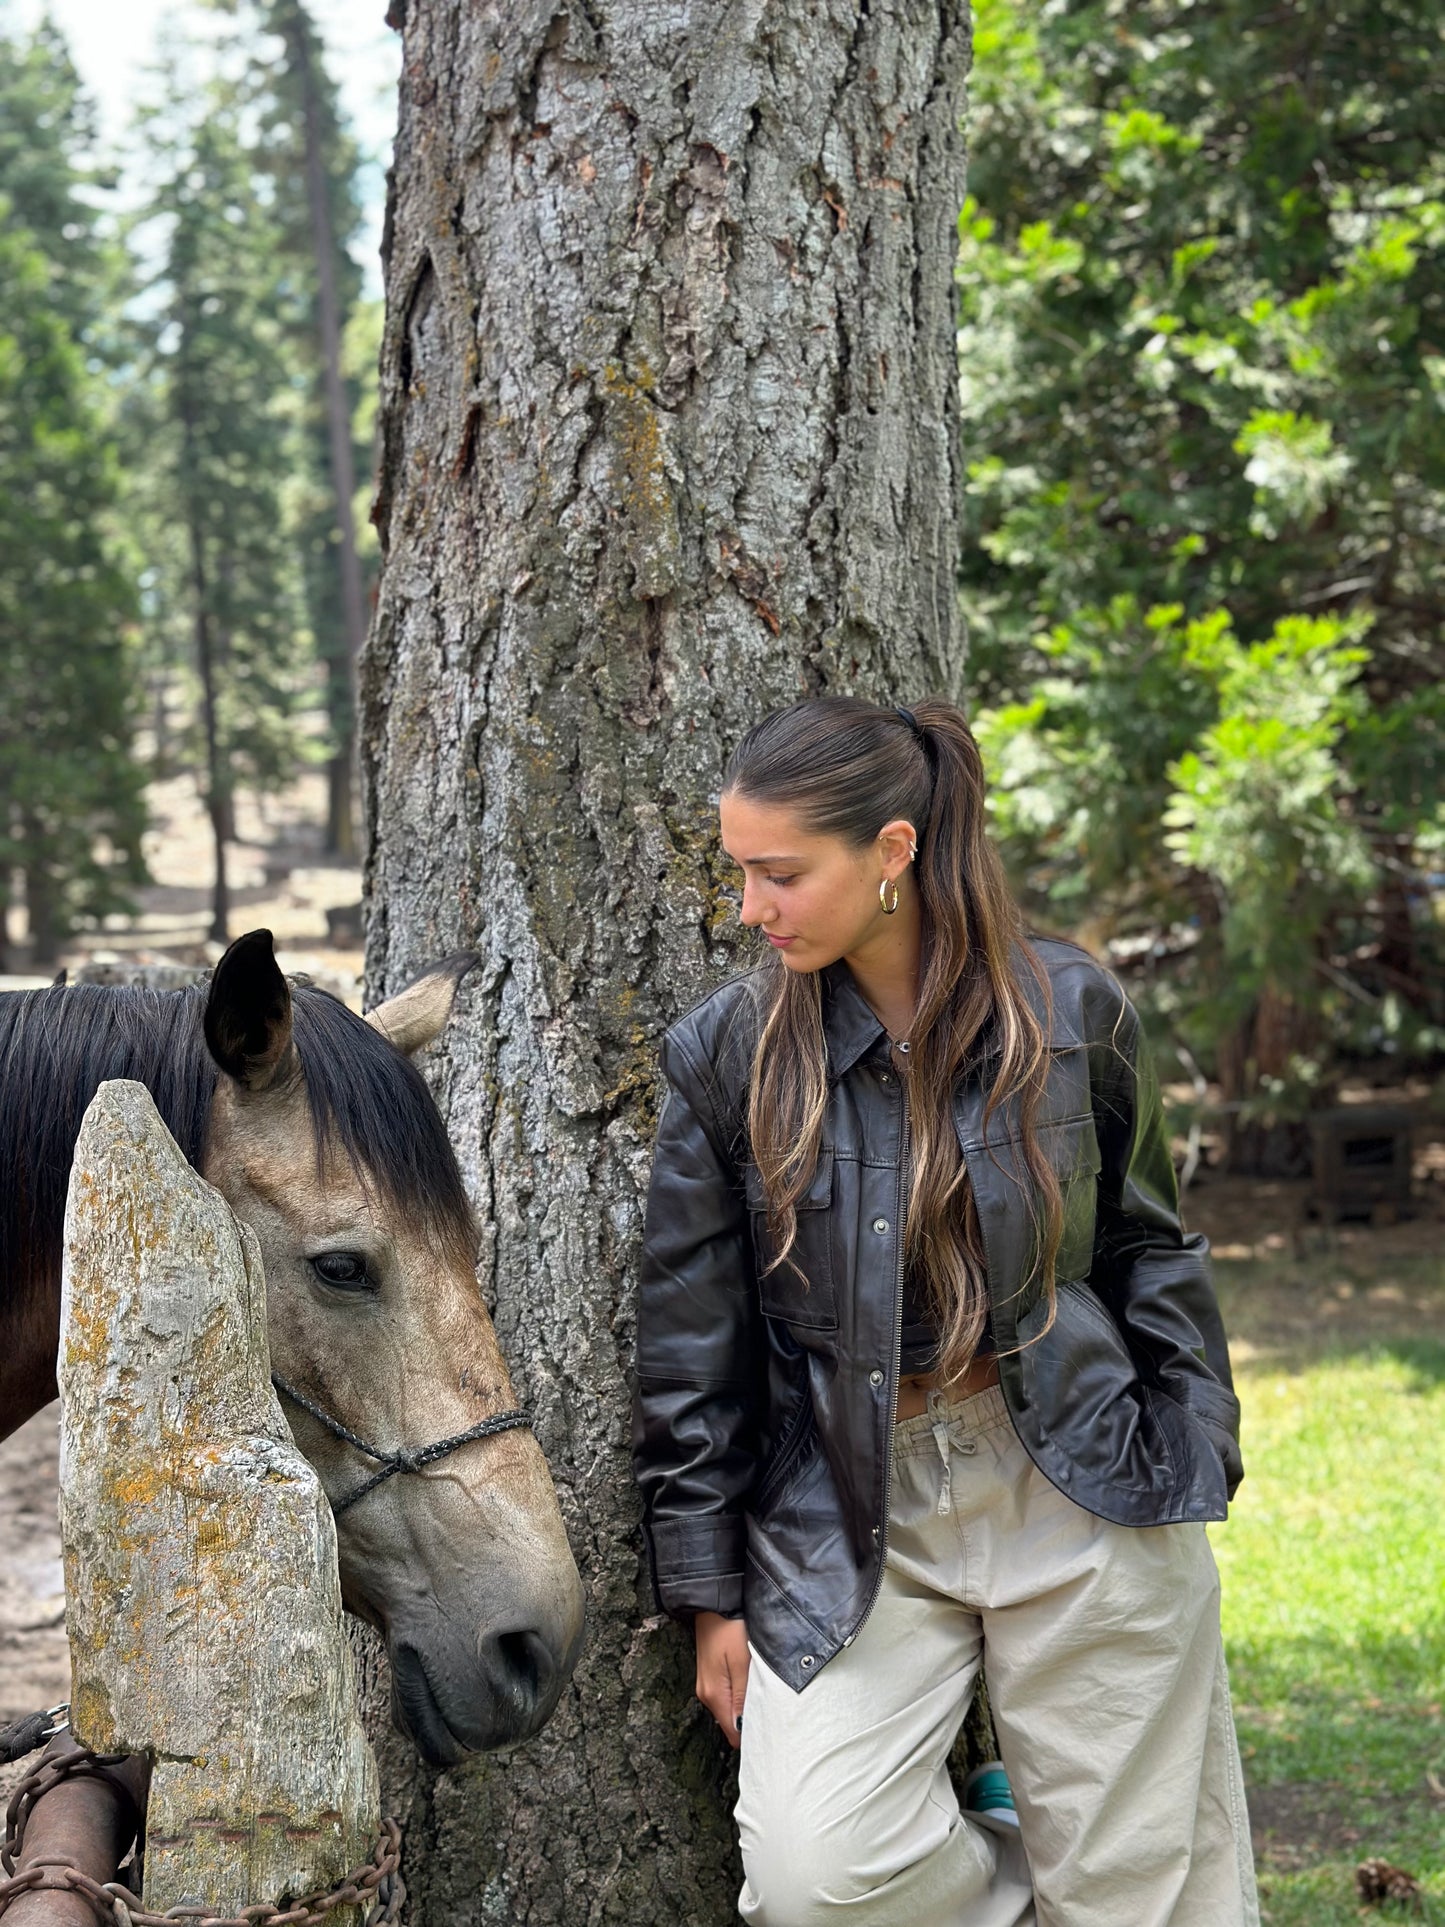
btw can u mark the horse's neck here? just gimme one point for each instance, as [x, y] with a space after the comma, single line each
[27, 1366]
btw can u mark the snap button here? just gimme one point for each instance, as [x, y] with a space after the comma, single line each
[880, 1225]
[884, 1077]
[875, 1377]
[876, 1535]
[806, 1661]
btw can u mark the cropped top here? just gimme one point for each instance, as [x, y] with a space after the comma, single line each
[919, 1349]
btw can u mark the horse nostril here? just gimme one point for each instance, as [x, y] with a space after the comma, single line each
[522, 1665]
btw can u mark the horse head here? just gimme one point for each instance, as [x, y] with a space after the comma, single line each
[324, 1139]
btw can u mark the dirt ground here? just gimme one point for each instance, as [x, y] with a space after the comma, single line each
[34, 1658]
[280, 878]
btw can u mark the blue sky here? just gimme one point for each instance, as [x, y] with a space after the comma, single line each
[112, 41]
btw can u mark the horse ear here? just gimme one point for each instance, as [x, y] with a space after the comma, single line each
[248, 1013]
[414, 1016]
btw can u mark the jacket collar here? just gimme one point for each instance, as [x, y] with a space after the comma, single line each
[850, 1028]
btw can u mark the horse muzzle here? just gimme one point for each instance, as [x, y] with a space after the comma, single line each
[498, 1696]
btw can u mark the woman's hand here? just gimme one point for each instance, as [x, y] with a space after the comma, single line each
[722, 1670]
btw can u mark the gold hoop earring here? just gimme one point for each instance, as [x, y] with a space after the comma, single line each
[888, 908]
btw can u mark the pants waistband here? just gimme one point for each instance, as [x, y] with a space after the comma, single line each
[984, 1412]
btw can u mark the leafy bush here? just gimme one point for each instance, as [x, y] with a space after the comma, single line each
[1202, 374]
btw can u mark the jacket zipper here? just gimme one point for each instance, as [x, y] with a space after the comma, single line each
[892, 1384]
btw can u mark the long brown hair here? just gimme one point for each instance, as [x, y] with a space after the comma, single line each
[845, 767]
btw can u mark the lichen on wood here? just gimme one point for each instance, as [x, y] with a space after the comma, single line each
[200, 1554]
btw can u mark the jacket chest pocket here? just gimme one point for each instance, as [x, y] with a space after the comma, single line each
[810, 1300]
[1071, 1146]
[1073, 1149]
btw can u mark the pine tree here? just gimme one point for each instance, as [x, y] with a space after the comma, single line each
[669, 437]
[215, 411]
[71, 801]
[313, 165]
[307, 109]
[49, 174]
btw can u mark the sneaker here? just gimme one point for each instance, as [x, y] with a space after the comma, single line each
[988, 1798]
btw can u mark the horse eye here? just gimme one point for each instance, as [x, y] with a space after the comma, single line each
[343, 1268]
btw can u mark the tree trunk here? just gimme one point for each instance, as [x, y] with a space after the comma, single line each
[1257, 1050]
[217, 787]
[341, 679]
[43, 915]
[669, 437]
[217, 790]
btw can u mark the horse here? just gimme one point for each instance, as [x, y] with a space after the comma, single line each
[319, 1131]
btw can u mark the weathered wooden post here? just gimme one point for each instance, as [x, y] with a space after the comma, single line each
[200, 1554]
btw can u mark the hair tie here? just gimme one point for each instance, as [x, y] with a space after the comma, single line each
[911, 720]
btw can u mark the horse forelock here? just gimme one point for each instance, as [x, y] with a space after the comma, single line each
[58, 1045]
[369, 1099]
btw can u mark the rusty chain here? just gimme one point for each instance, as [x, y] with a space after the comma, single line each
[378, 1886]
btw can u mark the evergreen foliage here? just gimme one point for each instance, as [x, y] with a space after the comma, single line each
[313, 165]
[1203, 366]
[71, 809]
[50, 175]
[214, 373]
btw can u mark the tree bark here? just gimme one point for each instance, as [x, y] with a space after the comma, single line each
[669, 437]
[43, 916]
[1261, 1048]
[217, 794]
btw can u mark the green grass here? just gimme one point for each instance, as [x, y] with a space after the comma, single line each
[1333, 1563]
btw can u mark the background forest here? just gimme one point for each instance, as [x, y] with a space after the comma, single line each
[1202, 356]
[1203, 361]
[185, 386]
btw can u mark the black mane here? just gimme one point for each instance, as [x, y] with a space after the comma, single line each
[58, 1045]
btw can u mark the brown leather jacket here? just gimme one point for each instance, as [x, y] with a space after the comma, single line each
[764, 1412]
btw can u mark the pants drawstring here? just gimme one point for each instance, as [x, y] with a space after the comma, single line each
[949, 1438]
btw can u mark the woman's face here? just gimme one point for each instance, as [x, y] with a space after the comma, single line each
[815, 898]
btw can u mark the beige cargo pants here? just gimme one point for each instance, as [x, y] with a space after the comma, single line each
[1108, 1686]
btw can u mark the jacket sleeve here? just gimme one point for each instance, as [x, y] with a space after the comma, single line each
[699, 1372]
[1155, 1276]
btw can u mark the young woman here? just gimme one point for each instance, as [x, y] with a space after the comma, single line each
[931, 1378]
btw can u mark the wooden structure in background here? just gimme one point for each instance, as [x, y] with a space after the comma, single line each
[1361, 1162]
